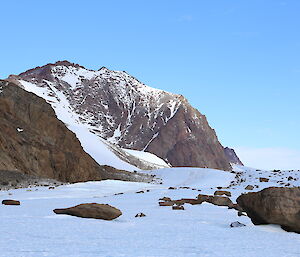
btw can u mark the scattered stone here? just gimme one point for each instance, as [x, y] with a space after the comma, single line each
[91, 210]
[140, 192]
[184, 187]
[240, 213]
[249, 187]
[237, 224]
[165, 203]
[165, 199]
[220, 192]
[139, 215]
[273, 205]
[172, 188]
[263, 180]
[11, 202]
[51, 187]
[178, 207]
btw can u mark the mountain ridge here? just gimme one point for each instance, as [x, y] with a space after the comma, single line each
[119, 108]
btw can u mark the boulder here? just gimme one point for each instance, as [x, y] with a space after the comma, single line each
[11, 202]
[166, 203]
[139, 215]
[178, 207]
[249, 187]
[263, 180]
[273, 205]
[220, 192]
[91, 210]
[220, 201]
[237, 224]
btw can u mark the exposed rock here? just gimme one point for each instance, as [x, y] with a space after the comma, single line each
[249, 187]
[165, 199]
[219, 200]
[237, 224]
[178, 207]
[148, 119]
[165, 203]
[220, 192]
[139, 215]
[172, 188]
[263, 180]
[232, 156]
[91, 210]
[45, 147]
[273, 205]
[11, 202]
[140, 192]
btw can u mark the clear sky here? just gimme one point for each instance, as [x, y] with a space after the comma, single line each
[238, 62]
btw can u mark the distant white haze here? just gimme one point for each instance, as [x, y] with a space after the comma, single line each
[269, 158]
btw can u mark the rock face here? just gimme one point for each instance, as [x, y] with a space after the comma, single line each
[232, 156]
[273, 205]
[33, 141]
[91, 210]
[124, 111]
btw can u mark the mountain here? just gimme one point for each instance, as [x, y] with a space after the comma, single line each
[123, 112]
[33, 141]
[232, 156]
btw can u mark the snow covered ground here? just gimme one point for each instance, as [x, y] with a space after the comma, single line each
[32, 229]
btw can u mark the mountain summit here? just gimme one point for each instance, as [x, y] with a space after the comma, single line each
[125, 112]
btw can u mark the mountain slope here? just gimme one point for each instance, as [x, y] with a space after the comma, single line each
[129, 114]
[33, 141]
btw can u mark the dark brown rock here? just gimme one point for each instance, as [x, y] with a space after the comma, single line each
[219, 200]
[178, 207]
[140, 215]
[165, 203]
[165, 199]
[273, 205]
[11, 202]
[91, 210]
[220, 192]
[249, 187]
[263, 180]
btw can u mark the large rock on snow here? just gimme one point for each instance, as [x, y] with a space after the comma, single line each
[273, 205]
[132, 115]
[11, 202]
[33, 141]
[91, 210]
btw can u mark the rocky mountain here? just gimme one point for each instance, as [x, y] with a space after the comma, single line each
[33, 141]
[232, 156]
[126, 113]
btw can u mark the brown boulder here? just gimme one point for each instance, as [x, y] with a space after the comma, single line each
[220, 192]
[166, 203]
[91, 210]
[178, 207]
[11, 202]
[249, 187]
[273, 205]
[140, 215]
[263, 180]
[220, 201]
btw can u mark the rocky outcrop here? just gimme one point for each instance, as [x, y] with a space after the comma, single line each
[273, 205]
[127, 113]
[232, 156]
[33, 141]
[91, 210]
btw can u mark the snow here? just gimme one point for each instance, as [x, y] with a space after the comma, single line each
[148, 157]
[20, 129]
[32, 229]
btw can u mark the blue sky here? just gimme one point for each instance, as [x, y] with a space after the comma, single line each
[238, 62]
